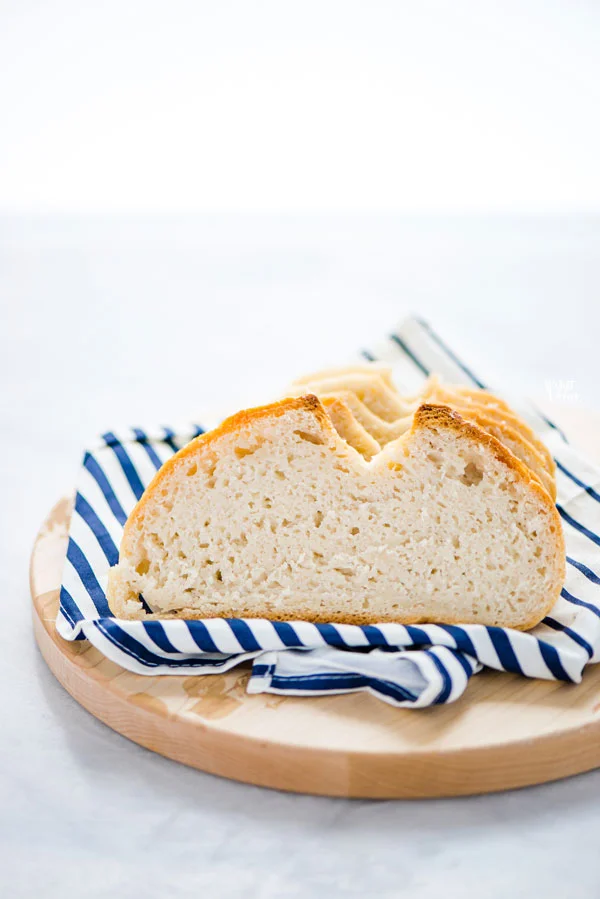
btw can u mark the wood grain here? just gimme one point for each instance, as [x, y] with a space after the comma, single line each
[505, 732]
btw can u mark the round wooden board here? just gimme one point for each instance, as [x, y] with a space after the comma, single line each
[505, 731]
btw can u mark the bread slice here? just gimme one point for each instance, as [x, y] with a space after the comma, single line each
[341, 372]
[386, 431]
[463, 398]
[370, 388]
[274, 515]
[382, 431]
[376, 390]
[349, 428]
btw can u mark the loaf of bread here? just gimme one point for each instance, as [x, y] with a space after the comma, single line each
[274, 514]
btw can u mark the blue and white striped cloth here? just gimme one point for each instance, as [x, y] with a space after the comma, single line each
[405, 666]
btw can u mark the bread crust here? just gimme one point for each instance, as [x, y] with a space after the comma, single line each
[315, 618]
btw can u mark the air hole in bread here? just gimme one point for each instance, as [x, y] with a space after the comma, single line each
[143, 566]
[318, 518]
[354, 531]
[436, 458]
[472, 475]
[280, 475]
[218, 575]
[192, 470]
[242, 451]
[309, 438]
[347, 572]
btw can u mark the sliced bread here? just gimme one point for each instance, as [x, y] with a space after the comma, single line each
[376, 392]
[274, 515]
[349, 428]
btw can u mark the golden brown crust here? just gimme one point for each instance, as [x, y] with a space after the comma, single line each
[360, 618]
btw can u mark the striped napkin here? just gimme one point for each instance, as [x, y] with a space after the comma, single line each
[406, 666]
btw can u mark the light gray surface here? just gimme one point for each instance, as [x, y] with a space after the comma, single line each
[108, 323]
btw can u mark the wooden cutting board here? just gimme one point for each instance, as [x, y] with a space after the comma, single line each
[506, 731]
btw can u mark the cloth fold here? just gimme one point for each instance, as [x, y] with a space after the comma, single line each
[407, 666]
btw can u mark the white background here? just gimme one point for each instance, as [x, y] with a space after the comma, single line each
[387, 104]
[199, 201]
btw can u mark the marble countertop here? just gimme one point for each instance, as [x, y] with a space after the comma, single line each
[113, 322]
